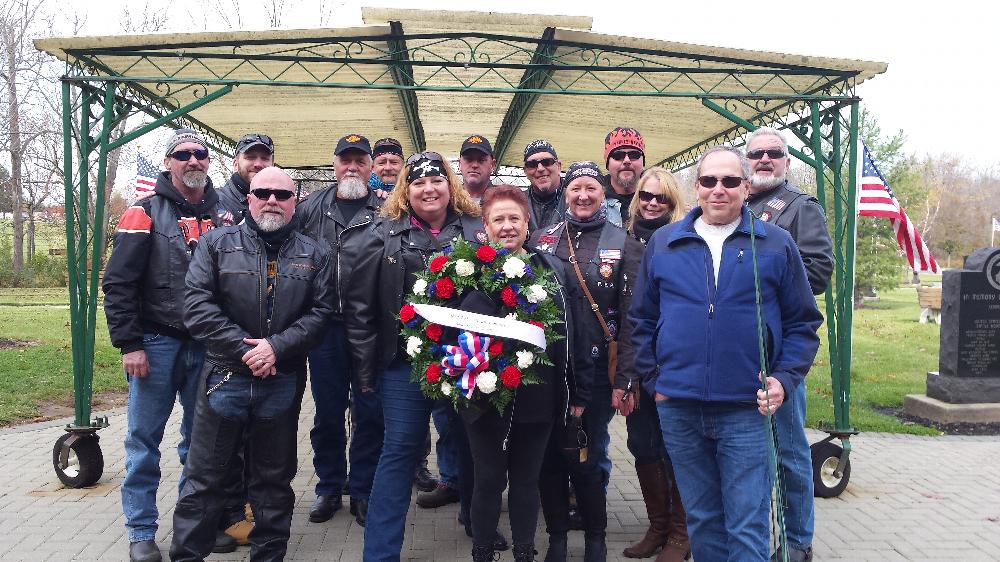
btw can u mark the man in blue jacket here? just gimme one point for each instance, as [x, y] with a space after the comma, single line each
[697, 324]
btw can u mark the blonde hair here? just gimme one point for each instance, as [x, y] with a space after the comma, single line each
[397, 204]
[670, 188]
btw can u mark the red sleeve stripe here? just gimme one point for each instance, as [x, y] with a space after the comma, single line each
[135, 220]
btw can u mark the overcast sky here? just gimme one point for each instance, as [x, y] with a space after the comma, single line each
[939, 88]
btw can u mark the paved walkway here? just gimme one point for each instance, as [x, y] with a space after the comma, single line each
[909, 498]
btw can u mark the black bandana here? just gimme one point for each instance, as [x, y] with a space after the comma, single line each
[424, 168]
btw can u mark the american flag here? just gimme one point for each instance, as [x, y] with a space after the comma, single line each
[145, 176]
[878, 200]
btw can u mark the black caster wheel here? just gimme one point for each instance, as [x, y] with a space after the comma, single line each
[77, 459]
[825, 458]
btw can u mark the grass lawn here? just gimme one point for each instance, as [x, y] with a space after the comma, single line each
[892, 354]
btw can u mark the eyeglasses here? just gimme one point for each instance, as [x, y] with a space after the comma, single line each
[620, 155]
[265, 193]
[728, 182]
[185, 155]
[432, 156]
[772, 153]
[647, 196]
[540, 162]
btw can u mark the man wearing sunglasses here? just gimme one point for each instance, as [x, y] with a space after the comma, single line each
[779, 202]
[625, 159]
[476, 162]
[697, 337]
[545, 196]
[338, 217]
[259, 295]
[144, 295]
[254, 152]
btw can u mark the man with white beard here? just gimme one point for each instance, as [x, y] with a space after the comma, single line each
[775, 200]
[256, 327]
[339, 216]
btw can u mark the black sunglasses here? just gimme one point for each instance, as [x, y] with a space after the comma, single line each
[728, 182]
[648, 196]
[773, 153]
[185, 155]
[620, 155]
[250, 138]
[540, 162]
[432, 156]
[265, 193]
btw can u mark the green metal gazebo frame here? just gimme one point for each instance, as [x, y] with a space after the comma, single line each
[171, 78]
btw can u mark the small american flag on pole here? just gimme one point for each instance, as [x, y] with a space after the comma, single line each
[876, 199]
[145, 175]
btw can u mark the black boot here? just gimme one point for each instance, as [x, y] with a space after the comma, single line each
[594, 548]
[524, 553]
[483, 553]
[591, 498]
[557, 548]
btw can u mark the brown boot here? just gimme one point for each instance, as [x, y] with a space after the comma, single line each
[677, 548]
[655, 493]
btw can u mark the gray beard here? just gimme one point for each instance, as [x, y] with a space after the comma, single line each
[352, 188]
[269, 222]
[194, 179]
[628, 185]
[763, 183]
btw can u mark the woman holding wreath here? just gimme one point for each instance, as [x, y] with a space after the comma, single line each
[425, 213]
[599, 262]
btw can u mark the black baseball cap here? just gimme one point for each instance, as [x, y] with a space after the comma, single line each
[251, 140]
[353, 141]
[477, 142]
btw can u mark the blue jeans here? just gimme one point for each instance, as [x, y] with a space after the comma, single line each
[407, 419]
[447, 424]
[174, 370]
[645, 441]
[720, 458]
[331, 376]
[596, 418]
[796, 468]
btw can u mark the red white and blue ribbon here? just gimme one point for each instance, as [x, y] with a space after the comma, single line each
[466, 360]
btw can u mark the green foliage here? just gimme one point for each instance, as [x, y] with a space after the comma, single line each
[41, 270]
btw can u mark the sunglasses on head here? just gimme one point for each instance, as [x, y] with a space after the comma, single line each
[728, 182]
[647, 196]
[432, 156]
[772, 153]
[540, 162]
[185, 155]
[620, 155]
[265, 193]
[256, 137]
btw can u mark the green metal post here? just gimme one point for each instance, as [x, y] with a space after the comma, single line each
[83, 370]
[73, 278]
[847, 316]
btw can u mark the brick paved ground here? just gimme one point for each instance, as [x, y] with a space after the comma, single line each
[910, 498]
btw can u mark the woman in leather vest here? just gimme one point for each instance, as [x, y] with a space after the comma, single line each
[656, 202]
[423, 215]
[608, 261]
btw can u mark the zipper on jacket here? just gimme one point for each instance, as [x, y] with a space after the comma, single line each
[709, 279]
[340, 292]
[567, 364]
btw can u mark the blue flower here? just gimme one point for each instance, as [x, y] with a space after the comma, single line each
[502, 252]
[413, 323]
[502, 362]
[528, 271]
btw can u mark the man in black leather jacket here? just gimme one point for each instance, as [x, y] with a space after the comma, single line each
[143, 300]
[777, 201]
[254, 152]
[259, 295]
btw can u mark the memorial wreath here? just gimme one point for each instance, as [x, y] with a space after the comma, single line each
[493, 355]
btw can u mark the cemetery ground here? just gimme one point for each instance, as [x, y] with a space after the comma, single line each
[892, 354]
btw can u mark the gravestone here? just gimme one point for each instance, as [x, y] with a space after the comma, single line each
[969, 360]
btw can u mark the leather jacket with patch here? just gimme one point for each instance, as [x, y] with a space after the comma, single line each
[227, 297]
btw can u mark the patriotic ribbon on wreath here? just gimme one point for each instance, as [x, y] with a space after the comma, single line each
[466, 360]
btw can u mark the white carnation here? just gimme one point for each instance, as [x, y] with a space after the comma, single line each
[412, 346]
[524, 359]
[464, 268]
[511, 316]
[446, 389]
[420, 287]
[486, 382]
[536, 293]
[513, 267]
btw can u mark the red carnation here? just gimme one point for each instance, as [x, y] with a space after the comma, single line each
[486, 254]
[508, 296]
[407, 313]
[535, 323]
[496, 348]
[445, 288]
[433, 332]
[433, 373]
[510, 376]
[437, 264]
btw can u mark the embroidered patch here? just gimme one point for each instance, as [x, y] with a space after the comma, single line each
[765, 216]
[606, 269]
[594, 351]
[481, 237]
[553, 229]
[609, 255]
[547, 239]
[613, 327]
[776, 204]
[353, 138]
[474, 140]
